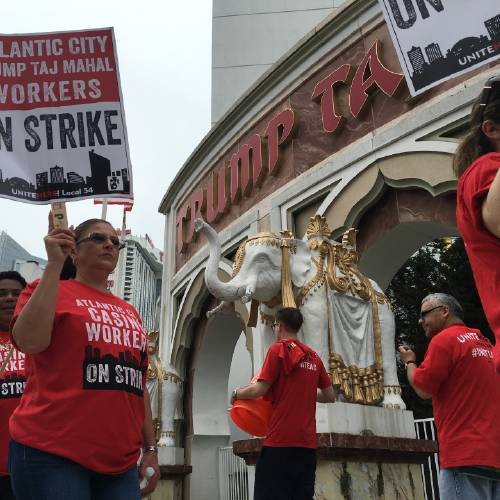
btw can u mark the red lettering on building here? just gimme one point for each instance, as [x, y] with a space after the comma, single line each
[246, 169]
[371, 74]
[217, 195]
[245, 166]
[323, 91]
[278, 132]
[235, 179]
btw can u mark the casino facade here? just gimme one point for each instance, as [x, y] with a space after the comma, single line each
[330, 129]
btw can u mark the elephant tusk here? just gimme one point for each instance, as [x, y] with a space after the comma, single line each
[199, 224]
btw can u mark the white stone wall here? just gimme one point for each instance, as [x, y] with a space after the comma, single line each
[249, 36]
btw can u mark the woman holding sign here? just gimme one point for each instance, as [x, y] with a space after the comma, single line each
[85, 414]
[477, 164]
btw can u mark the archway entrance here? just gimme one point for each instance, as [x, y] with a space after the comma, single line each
[207, 348]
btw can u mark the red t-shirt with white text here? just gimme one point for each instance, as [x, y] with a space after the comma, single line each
[458, 372]
[293, 396]
[483, 248]
[84, 394]
[12, 382]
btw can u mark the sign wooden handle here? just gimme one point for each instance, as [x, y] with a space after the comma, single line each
[59, 216]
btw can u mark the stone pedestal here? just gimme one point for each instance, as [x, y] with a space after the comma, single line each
[361, 467]
[173, 471]
[348, 418]
[364, 452]
[170, 484]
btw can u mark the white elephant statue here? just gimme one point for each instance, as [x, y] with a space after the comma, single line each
[347, 318]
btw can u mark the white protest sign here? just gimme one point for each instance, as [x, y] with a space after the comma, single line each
[62, 123]
[437, 40]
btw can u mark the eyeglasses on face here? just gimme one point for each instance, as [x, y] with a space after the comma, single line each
[101, 239]
[5, 292]
[486, 93]
[423, 314]
[275, 324]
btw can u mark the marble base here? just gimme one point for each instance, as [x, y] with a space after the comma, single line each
[370, 481]
[170, 485]
[348, 418]
[359, 467]
[170, 455]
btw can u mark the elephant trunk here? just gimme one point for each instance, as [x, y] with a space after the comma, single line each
[230, 291]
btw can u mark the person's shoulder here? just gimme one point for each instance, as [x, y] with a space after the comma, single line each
[489, 161]
[459, 331]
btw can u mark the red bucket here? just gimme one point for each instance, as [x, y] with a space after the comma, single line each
[252, 415]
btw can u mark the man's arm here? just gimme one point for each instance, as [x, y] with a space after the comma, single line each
[326, 395]
[250, 391]
[490, 209]
[410, 369]
[408, 356]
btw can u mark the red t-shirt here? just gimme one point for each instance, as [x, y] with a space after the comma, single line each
[294, 381]
[12, 382]
[483, 248]
[84, 394]
[458, 372]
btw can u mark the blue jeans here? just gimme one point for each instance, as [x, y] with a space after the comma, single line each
[454, 485]
[37, 475]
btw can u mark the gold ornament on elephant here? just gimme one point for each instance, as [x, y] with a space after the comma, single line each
[362, 385]
[337, 265]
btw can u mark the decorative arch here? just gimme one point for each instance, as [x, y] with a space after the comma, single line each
[202, 352]
[398, 203]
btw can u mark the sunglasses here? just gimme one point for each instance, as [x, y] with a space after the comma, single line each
[423, 314]
[486, 93]
[101, 239]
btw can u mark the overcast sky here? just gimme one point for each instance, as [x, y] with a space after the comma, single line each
[164, 54]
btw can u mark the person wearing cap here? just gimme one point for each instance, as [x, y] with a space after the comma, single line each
[458, 373]
[293, 379]
[12, 376]
[477, 165]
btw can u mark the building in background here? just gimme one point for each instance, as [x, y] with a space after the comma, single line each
[137, 277]
[278, 70]
[249, 36]
[13, 257]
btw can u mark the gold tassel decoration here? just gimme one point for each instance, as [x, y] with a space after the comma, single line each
[346, 385]
[254, 313]
[288, 299]
[357, 394]
[335, 367]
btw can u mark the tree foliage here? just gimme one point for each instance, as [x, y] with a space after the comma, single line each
[440, 266]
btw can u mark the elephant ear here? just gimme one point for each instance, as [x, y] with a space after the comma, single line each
[300, 263]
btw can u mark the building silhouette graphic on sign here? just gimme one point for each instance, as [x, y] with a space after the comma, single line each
[54, 183]
[466, 52]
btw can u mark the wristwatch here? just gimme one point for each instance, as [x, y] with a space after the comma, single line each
[409, 363]
[152, 448]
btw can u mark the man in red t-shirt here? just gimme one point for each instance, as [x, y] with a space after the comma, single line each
[12, 378]
[293, 378]
[458, 373]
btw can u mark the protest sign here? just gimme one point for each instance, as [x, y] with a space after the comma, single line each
[437, 40]
[62, 123]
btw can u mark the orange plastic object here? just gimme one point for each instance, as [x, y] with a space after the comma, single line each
[251, 415]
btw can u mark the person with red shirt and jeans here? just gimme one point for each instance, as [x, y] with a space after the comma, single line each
[458, 373]
[85, 413]
[477, 165]
[293, 378]
[12, 377]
